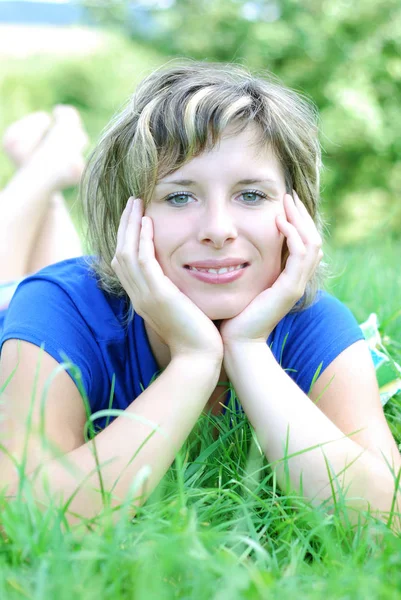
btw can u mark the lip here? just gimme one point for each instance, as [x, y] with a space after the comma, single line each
[217, 278]
[214, 263]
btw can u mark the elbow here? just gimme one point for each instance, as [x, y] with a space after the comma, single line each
[370, 489]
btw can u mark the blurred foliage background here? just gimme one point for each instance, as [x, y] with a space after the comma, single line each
[345, 56]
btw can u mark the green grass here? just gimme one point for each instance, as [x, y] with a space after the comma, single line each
[217, 526]
[368, 279]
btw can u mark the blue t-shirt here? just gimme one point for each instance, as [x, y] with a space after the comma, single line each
[63, 308]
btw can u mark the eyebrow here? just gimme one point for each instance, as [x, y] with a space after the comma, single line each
[185, 182]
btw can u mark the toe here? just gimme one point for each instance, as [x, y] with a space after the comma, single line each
[22, 137]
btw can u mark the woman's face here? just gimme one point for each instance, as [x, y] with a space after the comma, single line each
[221, 208]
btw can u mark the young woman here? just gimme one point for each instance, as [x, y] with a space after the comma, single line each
[202, 208]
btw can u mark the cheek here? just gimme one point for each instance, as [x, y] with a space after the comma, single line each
[162, 246]
[271, 246]
[270, 240]
[166, 239]
[160, 237]
[170, 234]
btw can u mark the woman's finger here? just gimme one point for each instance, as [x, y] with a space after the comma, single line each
[297, 260]
[150, 267]
[123, 226]
[300, 218]
[302, 208]
[315, 235]
[295, 243]
[301, 263]
[315, 241]
[132, 259]
[125, 262]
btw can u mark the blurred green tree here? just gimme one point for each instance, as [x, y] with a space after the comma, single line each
[345, 55]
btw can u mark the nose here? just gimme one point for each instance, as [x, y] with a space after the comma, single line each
[217, 225]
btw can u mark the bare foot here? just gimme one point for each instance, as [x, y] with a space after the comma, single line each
[22, 137]
[60, 153]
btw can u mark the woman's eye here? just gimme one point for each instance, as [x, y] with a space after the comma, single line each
[183, 198]
[253, 197]
[178, 199]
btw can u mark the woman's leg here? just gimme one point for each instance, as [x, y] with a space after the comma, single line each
[57, 238]
[35, 226]
[23, 204]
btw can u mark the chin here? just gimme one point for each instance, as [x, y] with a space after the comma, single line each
[222, 311]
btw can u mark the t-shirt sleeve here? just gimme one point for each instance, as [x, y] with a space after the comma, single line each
[316, 337]
[43, 313]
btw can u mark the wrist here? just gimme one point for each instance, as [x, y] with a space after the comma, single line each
[206, 364]
[245, 347]
[242, 356]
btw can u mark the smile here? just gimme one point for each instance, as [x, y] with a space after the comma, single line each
[218, 271]
[223, 275]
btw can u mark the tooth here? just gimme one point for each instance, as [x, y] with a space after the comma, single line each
[218, 271]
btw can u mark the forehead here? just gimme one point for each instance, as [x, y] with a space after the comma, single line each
[244, 154]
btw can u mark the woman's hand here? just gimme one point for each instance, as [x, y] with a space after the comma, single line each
[259, 318]
[170, 313]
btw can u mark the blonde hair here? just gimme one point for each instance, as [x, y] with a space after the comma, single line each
[176, 113]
